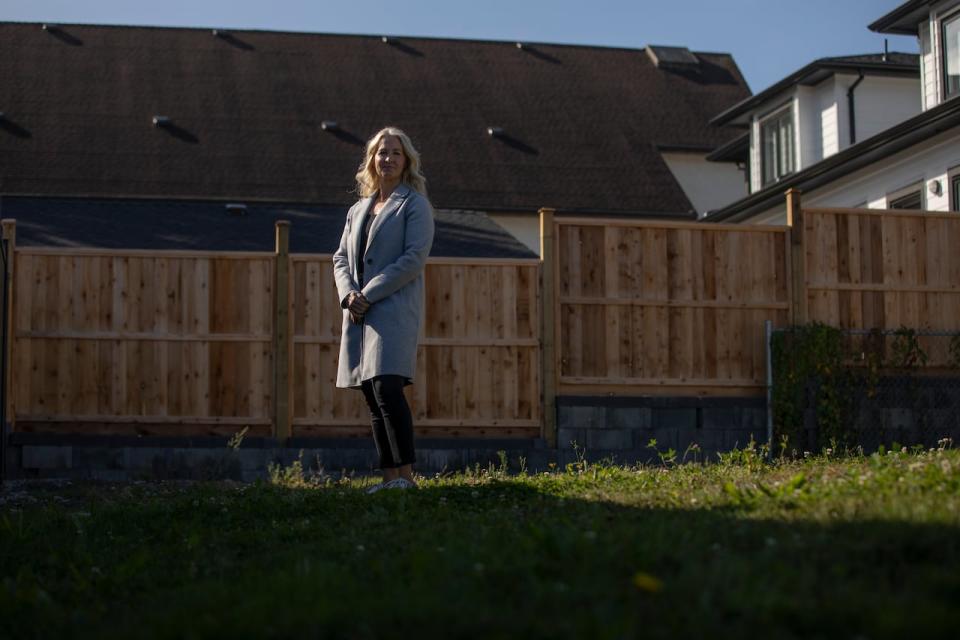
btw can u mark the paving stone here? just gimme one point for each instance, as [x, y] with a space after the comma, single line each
[584, 417]
[673, 418]
[612, 439]
[99, 457]
[666, 437]
[567, 436]
[720, 418]
[628, 418]
[109, 475]
[439, 460]
[47, 457]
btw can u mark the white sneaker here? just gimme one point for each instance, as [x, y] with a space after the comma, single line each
[400, 483]
[376, 487]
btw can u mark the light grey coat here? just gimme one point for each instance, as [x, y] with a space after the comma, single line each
[400, 237]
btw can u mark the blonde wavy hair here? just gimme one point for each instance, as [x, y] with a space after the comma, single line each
[367, 184]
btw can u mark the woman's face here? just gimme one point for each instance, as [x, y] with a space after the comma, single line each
[390, 161]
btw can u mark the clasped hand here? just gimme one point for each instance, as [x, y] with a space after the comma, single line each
[358, 305]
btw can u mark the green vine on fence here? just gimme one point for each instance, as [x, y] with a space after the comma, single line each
[907, 351]
[815, 366]
[955, 352]
[809, 361]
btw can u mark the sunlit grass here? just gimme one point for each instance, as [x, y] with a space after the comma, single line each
[825, 546]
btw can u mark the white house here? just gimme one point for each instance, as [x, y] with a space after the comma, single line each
[896, 151]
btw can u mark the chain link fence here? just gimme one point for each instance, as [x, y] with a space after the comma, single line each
[851, 388]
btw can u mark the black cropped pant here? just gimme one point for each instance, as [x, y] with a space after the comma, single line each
[391, 419]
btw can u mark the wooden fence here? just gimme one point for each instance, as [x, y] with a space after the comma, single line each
[104, 341]
[667, 308]
[160, 344]
[478, 365]
[190, 343]
[882, 269]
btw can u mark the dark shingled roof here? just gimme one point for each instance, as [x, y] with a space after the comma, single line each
[581, 124]
[207, 226]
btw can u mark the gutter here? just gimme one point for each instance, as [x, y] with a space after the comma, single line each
[851, 108]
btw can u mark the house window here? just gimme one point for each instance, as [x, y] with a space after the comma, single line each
[776, 135]
[951, 55]
[907, 198]
[955, 191]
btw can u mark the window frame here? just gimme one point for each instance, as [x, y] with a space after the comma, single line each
[953, 184]
[945, 78]
[765, 120]
[914, 188]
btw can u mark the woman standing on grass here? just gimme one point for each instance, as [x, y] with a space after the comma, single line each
[379, 273]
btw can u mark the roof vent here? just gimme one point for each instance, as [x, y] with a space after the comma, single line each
[161, 121]
[672, 57]
[50, 26]
[236, 209]
[330, 125]
[521, 46]
[386, 39]
[220, 33]
[495, 132]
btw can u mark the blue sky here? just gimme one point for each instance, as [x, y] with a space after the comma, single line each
[768, 38]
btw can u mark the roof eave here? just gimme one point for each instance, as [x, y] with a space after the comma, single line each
[733, 151]
[903, 20]
[885, 143]
[797, 77]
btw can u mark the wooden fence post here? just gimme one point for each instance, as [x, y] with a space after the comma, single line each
[281, 334]
[798, 259]
[10, 237]
[548, 353]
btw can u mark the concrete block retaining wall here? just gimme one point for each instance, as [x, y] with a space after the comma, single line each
[121, 458]
[616, 429]
[621, 429]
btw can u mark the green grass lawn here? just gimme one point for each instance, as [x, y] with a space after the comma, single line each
[853, 547]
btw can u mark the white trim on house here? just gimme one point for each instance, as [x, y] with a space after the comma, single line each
[923, 163]
[912, 192]
[952, 187]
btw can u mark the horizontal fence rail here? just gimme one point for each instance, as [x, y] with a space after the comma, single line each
[477, 364]
[109, 338]
[667, 308]
[883, 269]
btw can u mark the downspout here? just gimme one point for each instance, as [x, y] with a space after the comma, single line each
[851, 108]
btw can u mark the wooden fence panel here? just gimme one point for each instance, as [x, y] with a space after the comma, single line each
[169, 342]
[478, 365]
[657, 307]
[882, 269]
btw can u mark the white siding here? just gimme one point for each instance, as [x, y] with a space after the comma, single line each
[926, 162]
[807, 123]
[828, 127]
[708, 185]
[880, 103]
[525, 228]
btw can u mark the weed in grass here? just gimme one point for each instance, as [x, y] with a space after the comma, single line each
[838, 546]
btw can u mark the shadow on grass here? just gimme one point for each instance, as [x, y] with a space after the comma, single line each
[501, 559]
